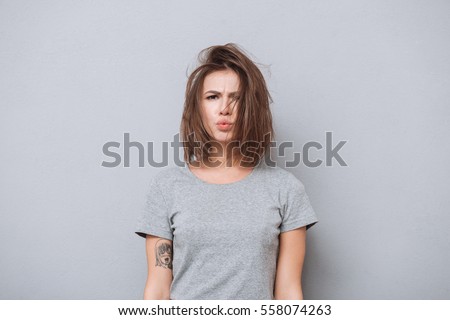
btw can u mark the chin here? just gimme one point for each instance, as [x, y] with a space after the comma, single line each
[223, 137]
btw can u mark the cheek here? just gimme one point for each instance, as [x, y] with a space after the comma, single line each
[207, 115]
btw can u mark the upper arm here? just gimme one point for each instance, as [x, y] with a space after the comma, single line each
[159, 260]
[290, 264]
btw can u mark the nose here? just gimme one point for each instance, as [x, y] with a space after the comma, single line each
[226, 106]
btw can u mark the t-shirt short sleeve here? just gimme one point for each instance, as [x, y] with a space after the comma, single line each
[297, 209]
[154, 218]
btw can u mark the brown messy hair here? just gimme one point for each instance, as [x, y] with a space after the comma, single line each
[253, 130]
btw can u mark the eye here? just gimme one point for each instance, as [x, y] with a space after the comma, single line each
[211, 97]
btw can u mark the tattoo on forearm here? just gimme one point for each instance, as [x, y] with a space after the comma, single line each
[163, 252]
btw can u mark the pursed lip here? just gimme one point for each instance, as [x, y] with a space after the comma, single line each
[223, 122]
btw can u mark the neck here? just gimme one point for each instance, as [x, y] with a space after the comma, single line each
[222, 158]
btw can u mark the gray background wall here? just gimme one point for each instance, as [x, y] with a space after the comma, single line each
[77, 74]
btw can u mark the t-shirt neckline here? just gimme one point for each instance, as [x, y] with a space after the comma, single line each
[222, 185]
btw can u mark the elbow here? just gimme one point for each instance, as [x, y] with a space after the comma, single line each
[151, 293]
[289, 293]
[153, 296]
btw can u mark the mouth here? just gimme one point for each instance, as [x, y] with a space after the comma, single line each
[224, 126]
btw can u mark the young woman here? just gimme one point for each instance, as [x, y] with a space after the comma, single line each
[227, 225]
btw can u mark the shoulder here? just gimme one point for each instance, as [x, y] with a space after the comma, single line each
[281, 177]
[163, 178]
[166, 172]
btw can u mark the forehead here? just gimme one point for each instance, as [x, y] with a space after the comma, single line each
[223, 80]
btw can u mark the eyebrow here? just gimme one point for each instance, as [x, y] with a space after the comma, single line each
[217, 92]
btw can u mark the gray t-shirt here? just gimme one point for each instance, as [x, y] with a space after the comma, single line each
[225, 236]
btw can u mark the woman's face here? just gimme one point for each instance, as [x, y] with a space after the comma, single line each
[220, 88]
